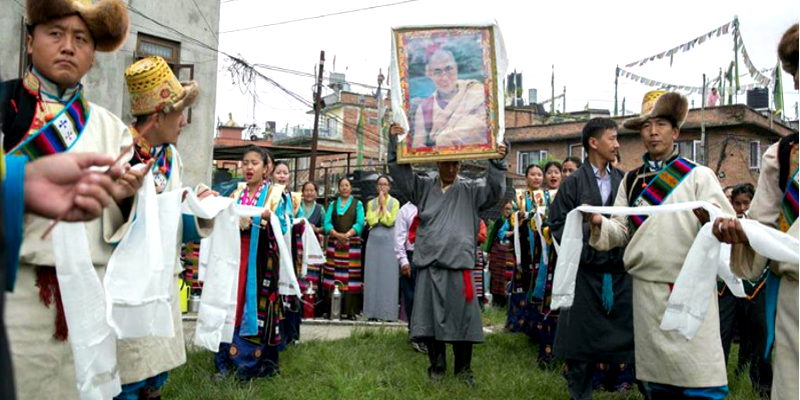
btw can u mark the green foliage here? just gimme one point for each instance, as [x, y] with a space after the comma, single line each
[547, 159]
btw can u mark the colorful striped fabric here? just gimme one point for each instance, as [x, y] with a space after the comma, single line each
[57, 135]
[789, 205]
[344, 265]
[662, 186]
[502, 262]
[477, 273]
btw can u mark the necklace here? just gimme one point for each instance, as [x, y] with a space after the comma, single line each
[248, 199]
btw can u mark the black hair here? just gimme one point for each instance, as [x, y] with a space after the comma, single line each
[262, 152]
[744, 188]
[594, 128]
[383, 176]
[312, 183]
[279, 162]
[339, 182]
[552, 164]
[533, 166]
[577, 161]
[140, 120]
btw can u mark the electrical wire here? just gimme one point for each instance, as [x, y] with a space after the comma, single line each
[210, 29]
[319, 16]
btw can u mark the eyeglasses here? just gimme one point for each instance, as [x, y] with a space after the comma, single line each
[442, 71]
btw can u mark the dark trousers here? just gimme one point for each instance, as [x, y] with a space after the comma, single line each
[582, 377]
[407, 285]
[462, 352]
[291, 323]
[579, 376]
[750, 318]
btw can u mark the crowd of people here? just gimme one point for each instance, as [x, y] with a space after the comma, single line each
[425, 259]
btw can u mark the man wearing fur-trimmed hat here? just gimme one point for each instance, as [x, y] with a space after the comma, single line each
[45, 113]
[158, 104]
[671, 366]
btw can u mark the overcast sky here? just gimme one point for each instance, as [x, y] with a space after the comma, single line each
[585, 40]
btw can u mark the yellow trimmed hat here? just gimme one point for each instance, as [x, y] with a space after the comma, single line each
[107, 20]
[660, 103]
[155, 88]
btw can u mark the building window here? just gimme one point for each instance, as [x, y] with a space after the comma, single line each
[576, 150]
[526, 158]
[690, 149]
[169, 50]
[755, 154]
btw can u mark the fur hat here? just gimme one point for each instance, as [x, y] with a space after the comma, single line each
[107, 19]
[155, 88]
[660, 103]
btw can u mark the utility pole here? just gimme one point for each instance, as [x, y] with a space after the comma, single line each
[736, 55]
[623, 106]
[564, 101]
[317, 109]
[553, 89]
[616, 85]
[703, 123]
[380, 115]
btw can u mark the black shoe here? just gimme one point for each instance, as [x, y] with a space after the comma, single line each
[435, 375]
[220, 376]
[420, 347]
[468, 378]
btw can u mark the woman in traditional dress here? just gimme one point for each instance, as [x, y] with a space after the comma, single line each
[502, 260]
[293, 310]
[520, 308]
[545, 319]
[381, 272]
[344, 222]
[315, 214]
[254, 350]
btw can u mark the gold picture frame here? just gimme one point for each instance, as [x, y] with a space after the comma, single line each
[449, 90]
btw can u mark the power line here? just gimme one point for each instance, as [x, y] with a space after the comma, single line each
[246, 78]
[210, 29]
[320, 16]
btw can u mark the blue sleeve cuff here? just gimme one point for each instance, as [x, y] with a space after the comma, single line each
[190, 230]
[13, 211]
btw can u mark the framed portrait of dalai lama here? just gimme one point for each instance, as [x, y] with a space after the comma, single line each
[448, 83]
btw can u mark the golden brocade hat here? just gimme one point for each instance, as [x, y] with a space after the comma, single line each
[153, 87]
[660, 103]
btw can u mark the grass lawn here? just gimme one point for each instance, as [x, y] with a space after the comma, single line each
[377, 364]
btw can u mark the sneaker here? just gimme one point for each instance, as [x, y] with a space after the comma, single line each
[419, 347]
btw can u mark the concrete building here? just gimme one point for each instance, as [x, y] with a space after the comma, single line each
[176, 30]
[736, 137]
